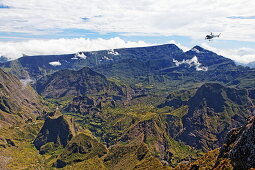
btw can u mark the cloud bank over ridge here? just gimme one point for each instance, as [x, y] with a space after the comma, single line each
[192, 63]
[13, 50]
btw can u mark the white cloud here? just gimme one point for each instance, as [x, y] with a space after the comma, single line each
[241, 55]
[13, 50]
[80, 55]
[26, 81]
[233, 18]
[112, 52]
[55, 63]
[192, 63]
[161, 17]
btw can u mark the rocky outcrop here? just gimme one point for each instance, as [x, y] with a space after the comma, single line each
[18, 101]
[82, 105]
[126, 156]
[69, 83]
[203, 120]
[82, 147]
[57, 131]
[239, 146]
[5, 142]
[237, 152]
[62, 135]
[151, 133]
[89, 105]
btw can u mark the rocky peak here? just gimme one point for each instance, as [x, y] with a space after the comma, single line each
[216, 96]
[69, 83]
[209, 114]
[150, 132]
[80, 148]
[56, 129]
[172, 47]
[199, 49]
[209, 94]
[17, 98]
[3, 59]
[239, 146]
[209, 58]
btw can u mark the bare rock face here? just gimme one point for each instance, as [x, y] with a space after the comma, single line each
[240, 146]
[209, 114]
[56, 130]
[18, 101]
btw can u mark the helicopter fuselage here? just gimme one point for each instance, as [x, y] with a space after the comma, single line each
[211, 36]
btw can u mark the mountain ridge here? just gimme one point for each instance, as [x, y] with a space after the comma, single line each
[67, 83]
[144, 107]
[208, 114]
[65, 59]
[18, 100]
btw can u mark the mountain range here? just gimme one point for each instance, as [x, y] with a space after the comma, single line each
[155, 66]
[152, 107]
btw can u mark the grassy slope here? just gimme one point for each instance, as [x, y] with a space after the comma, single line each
[115, 122]
[23, 155]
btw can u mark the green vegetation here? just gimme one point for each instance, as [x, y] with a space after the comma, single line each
[142, 112]
[23, 155]
[81, 147]
[208, 161]
[112, 123]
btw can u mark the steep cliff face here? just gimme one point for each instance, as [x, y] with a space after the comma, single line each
[18, 100]
[38, 66]
[119, 109]
[152, 65]
[204, 119]
[237, 152]
[239, 146]
[68, 83]
[151, 132]
[56, 131]
[213, 111]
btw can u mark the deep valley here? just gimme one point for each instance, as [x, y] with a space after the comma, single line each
[154, 107]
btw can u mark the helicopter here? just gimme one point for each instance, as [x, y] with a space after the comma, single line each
[211, 36]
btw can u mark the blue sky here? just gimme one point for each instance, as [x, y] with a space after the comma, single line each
[29, 26]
